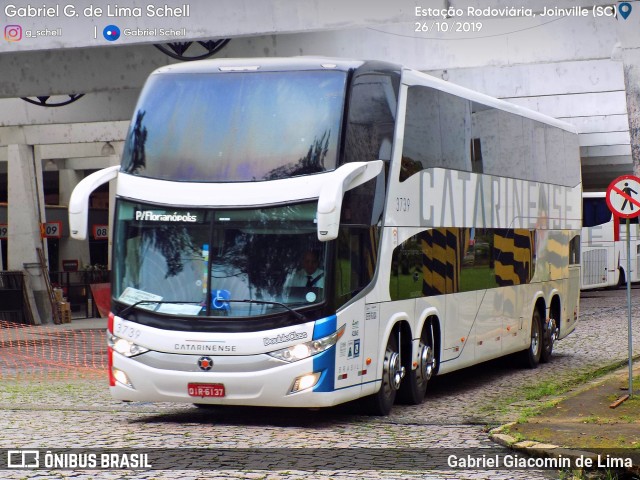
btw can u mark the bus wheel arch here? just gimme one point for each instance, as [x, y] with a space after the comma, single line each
[381, 402]
[426, 359]
[551, 329]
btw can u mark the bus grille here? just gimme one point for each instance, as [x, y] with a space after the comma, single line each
[594, 267]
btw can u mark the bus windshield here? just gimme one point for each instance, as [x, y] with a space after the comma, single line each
[212, 262]
[236, 126]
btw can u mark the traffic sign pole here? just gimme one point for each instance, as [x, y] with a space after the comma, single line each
[629, 309]
[620, 194]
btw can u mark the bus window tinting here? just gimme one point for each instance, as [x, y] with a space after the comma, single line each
[431, 118]
[230, 127]
[198, 258]
[356, 259]
[450, 260]
[444, 131]
[371, 117]
[595, 212]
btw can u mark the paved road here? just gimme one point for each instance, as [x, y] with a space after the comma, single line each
[79, 413]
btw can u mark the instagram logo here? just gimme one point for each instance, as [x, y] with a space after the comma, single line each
[13, 33]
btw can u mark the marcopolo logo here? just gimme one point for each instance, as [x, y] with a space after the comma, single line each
[205, 363]
[151, 216]
[282, 338]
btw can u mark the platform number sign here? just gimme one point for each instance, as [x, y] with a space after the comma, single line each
[623, 196]
[4, 231]
[101, 232]
[51, 230]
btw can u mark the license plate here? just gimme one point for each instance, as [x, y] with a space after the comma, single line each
[206, 389]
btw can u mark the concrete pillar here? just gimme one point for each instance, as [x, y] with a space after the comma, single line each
[630, 47]
[631, 58]
[70, 248]
[113, 160]
[25, 214]
[39, 189]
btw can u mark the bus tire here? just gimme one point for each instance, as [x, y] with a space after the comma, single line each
[414, 386]
[622, 281]
[531, 356]
[548, 339]
[381, 402]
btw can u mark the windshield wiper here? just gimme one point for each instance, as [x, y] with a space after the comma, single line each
[159, 302]
[298, 315]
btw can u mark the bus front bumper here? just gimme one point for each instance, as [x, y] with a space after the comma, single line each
[267, 387]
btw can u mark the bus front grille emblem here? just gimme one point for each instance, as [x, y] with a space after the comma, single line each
[205, 363]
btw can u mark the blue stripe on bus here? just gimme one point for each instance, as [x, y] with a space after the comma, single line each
[325, 362]
[358, 385]
[325, 327]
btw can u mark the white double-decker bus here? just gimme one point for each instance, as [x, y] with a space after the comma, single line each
[310, 231]
[603, 249]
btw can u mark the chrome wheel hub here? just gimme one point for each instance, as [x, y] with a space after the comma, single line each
[552, 328]
[535, 342]
[427, 361]
[394, 371]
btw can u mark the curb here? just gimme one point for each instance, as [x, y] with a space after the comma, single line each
[533, 448]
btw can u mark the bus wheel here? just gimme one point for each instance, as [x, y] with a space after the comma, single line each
[531, 356]
[548, 339]
[380, 403]
[414, 386]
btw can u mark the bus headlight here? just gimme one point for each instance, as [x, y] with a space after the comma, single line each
[121, 377]
[125, 347]
[308, 349]
[305, 382]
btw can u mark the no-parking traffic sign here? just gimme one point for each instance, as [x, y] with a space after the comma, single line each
[623, 196]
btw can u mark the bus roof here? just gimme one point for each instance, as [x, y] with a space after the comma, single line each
[264, 64]
[414, 77]
[409, 77]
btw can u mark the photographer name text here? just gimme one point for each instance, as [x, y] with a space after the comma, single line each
[556, 463]
[92, 11]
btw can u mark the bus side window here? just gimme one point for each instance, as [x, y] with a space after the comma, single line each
[408, 276]
[574, 250]
[371, 117]
[477, 271]
[513, 251]
[595, 212]
[430, 118]
[357, 249]
[476, 155]
[429, 263]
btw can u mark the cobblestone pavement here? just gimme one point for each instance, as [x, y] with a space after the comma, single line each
[79, 413]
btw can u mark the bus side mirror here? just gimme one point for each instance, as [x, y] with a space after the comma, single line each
[79, 201]
[341, 180]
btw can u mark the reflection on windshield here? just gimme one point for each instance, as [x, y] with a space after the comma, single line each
[229, 127]
[182, 258]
